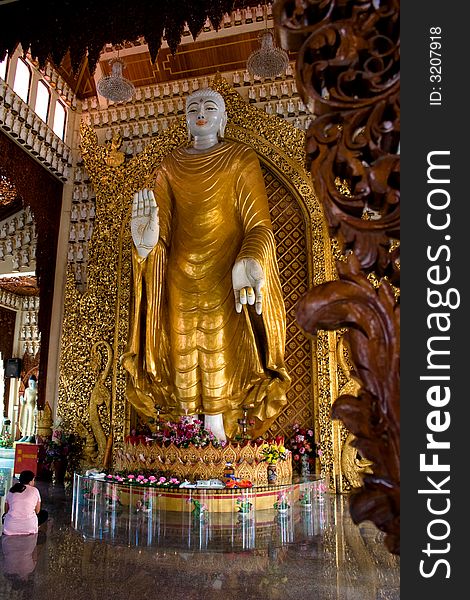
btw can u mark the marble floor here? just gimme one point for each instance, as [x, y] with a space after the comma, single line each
[332, 559]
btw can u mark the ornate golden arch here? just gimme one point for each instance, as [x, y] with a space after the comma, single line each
[101, 313]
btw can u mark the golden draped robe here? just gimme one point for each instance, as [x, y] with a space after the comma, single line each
[189, 351]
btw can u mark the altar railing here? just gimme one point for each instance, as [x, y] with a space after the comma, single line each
[258, 517]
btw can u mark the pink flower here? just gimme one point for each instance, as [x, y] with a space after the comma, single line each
[162, 480]
[296, 457]
[109, 476]
[302, 450]
[310, 433]
[152, 478]
[131, 477]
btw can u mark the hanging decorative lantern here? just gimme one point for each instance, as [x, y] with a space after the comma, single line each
[115, 87]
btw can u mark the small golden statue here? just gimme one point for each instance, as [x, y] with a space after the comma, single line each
[115, 158]
[44, 427]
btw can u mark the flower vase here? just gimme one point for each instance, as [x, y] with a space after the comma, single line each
[199, 516]
[272, 474]
[112, 506]
[243, 516]
[306, 468]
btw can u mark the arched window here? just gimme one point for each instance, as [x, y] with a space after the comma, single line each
[22, 80]
[59, 120]
[3, 68]
[42, 101]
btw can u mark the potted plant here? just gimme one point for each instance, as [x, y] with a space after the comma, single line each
[244, 507]
[199, 511]
[305, 500]
[57, 450]
[281, 504]
[304, 449]
[6, 440]
[112, 499]
[272, 453]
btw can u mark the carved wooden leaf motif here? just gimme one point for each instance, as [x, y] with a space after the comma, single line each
[353, 146]
[348, 70]
[372, 318]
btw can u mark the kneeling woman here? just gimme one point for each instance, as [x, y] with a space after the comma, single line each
[23, 512]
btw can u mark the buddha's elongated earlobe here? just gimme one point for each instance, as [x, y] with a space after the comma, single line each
[189, 131]
[223, 124]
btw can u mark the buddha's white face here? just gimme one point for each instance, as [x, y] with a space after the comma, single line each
[204, 117]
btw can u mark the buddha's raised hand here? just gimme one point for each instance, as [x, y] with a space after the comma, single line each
[144, 222]
[248, 281]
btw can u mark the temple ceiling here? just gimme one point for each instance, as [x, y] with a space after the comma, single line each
[159, 42]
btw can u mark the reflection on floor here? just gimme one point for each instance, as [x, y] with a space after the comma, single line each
[332, 560]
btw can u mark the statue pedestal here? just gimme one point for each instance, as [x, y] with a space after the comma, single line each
[205, 463]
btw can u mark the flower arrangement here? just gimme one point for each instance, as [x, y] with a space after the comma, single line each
[303, 446]
[185, 432]
[199, 510]
[243, 505]
[90, 491]
[112, 498]
[6, 440]
[142, 480]
[319, 489]
[143, 506]
[281, 502]
[59, 446]
[273, 452]
[305, 499]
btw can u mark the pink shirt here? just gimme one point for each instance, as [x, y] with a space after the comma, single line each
[21, 517]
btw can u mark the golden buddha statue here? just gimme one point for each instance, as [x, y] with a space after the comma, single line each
[207, 331]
